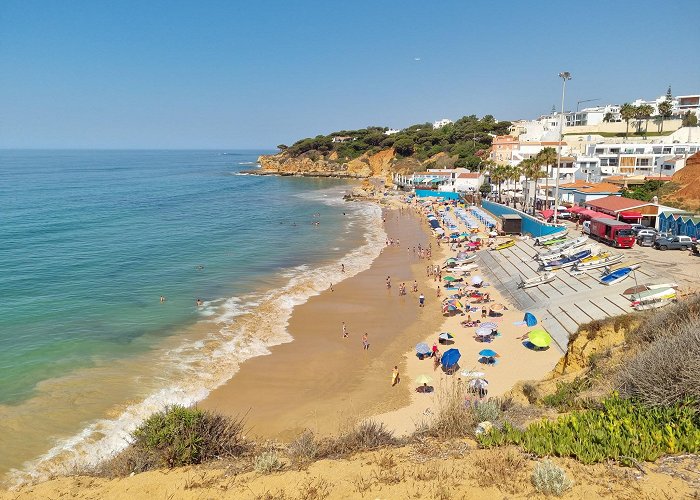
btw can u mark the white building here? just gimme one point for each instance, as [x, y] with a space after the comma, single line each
[605, 159]
[468, 181]
[442, 123]
[593, 116]
[392, 131]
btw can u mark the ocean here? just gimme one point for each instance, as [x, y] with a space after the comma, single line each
[91, 240]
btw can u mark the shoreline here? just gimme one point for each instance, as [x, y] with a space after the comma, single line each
[321, 380]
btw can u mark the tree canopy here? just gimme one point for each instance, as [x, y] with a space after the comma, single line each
[466, 139]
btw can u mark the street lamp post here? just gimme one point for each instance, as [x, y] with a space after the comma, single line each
[564, 75]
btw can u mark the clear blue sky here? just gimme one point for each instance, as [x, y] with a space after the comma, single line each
[232, 74]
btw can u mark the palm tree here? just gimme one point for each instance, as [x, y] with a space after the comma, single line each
[546, 158]
[498, 174]
[627, 112]
[643, 112]
[665, 112]
[525, 168]
[536, 174]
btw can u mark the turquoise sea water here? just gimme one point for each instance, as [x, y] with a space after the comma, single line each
[90, 240]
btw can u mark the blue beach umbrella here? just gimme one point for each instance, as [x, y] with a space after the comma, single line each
[488, 353]
[450, 358]
[530, 319]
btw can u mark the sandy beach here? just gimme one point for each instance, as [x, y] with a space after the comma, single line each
[321, 380]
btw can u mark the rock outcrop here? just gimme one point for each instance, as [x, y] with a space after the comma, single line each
[383, 164]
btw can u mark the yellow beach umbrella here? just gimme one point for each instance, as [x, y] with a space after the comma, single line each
[539, 338]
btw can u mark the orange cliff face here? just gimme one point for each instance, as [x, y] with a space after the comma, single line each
[688, 180]
[382, 164]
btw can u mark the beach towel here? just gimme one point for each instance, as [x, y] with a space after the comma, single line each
[520, 323]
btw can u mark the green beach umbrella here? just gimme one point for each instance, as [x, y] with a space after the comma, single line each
[540, 338]
[449, 278]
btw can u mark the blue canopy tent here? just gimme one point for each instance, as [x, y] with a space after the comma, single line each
[530, 319]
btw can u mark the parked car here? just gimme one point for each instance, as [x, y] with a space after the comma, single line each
[647, 231]
[638, 227]
[586, 228]
[646, 240]
[674, 243]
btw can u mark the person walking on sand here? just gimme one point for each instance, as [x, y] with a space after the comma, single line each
[415, 285]
[395, 379]
[342, 268]
[438, 291]
[388, 282]
[365, 342]
[421, 300]
[345, 331]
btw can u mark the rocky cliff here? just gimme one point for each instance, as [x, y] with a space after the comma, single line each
[383, 164]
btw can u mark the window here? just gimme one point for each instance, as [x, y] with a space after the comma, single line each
[612, 162]
[603, 162]
[693, 149]
[614, 150]
[657, 150]
[667, 150]
[599, 151]
[680, 150]
[639, 150]
[642, 162]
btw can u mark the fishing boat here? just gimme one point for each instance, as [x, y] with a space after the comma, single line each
[568, 253]
[537, 280]
[565, 261]
[504, 245]
[655, 303]
[541, 239]
[654, 294]
[595, 257]
[554, 242]
[643, 288]
[619, 265]
[618, 275]
[560, 248]
[587, 265]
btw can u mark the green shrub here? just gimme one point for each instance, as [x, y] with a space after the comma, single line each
[550, 479]
[487, 411]
[303, 449]
[564, 398]
[183, 436]
[622, 430]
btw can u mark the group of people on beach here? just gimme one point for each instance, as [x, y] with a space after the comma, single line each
[365, 336]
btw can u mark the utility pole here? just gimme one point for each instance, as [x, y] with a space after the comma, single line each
[585, 100]
[564, 75]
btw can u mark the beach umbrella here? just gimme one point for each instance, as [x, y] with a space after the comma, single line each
[489, 324]
[478, 383]
[422, 348]
[471, 374]
[488, 353]
[450, 357]
[423, 379]
[456, 303]
[498, 307]
[446, 336]
[449, 278]
[530, 319]
[539, 338]
[483, 332]
[477, 280]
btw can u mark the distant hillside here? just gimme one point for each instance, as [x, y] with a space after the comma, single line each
[688, 181]
[356, 153]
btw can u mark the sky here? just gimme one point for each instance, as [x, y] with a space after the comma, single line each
[233, 74]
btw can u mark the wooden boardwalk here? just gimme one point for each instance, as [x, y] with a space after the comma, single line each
[565, 303]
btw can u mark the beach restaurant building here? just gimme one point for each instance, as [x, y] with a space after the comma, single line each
[629, 210]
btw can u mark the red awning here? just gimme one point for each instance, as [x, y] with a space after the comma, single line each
[576, 209]
[547, 213]
[603, 216]
[631, 215]
[588, 213]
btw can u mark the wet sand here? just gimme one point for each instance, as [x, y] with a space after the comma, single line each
[321, 381]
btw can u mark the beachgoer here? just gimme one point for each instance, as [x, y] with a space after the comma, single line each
[395, 378]
[483, 312]
[331, 287]
[415, 285]
[345, 331]
[435, 349]
[438, 291]
[365, 342]
[421, 300]
[162, 299]
[388, 281]
[198, 302]
[342, 268]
